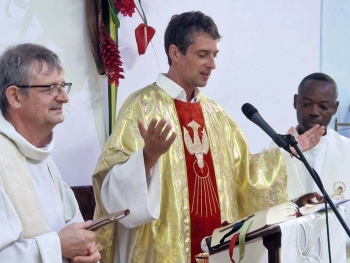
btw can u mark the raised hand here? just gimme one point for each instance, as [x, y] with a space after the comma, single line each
[309, 138]
[76, 241]
[156, 141]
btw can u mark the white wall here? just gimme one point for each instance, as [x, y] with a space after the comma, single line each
[266, 50]
[335, 54]
[60, 25]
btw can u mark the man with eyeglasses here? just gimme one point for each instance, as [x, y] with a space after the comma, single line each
[39, 215]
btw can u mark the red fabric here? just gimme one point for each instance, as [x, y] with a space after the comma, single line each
[232, 246]
[143, 35]
[205, 211]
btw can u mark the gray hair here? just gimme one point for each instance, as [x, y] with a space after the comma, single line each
[18, 63]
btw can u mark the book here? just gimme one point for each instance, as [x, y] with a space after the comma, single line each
[107, 219]
[313, 208]
[259, 222]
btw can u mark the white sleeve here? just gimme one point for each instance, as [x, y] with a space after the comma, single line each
[71, 211]
[126, 186]
[13, 248]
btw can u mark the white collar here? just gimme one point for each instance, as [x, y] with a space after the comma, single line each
[25, 147]
[174, 90]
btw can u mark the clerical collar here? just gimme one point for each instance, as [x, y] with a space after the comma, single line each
[174, 90]
[26, 148]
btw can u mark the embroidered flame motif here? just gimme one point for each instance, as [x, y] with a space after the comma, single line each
[205, 200]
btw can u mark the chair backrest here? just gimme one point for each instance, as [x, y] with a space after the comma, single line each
[340, 124]
[86, 200]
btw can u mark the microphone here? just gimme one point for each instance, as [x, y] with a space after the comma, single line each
[252, 114]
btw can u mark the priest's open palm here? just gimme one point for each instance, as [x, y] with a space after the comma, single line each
[158, 138]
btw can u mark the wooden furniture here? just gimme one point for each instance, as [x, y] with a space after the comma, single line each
[86, 200]
[303, 239]
[271, 239]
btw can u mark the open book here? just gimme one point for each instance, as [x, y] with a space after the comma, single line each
[309, 209]
[259, 221]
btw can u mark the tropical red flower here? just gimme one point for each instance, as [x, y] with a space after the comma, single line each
[126, 7]
[143, 35]
[110, 57]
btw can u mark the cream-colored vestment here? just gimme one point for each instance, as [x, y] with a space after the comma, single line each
[35, 204]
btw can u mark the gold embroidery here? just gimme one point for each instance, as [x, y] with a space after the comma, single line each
[204, 191]
[197, 148]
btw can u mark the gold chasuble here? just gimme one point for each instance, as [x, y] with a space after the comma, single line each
[207, 176]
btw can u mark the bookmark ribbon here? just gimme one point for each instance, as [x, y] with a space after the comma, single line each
[241, 237]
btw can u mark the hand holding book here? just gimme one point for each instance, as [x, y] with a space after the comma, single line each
[313, 208]
[107, 219]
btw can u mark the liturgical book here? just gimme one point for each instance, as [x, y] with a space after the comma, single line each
[258, 222]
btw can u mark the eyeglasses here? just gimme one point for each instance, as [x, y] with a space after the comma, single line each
[53, 89]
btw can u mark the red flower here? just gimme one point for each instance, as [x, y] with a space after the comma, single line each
[110, 57]
[143, 35]
[126, 7]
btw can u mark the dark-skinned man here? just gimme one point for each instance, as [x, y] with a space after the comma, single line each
[315, 104]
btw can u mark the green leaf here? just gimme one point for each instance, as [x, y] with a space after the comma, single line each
[114, 13]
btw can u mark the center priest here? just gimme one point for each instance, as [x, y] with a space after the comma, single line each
[204, 177]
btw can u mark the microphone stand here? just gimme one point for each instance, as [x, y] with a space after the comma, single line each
[292, 142]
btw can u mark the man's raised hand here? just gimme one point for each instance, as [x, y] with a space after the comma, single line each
[309, 138]
[156, 140]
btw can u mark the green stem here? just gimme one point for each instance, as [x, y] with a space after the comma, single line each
[143, 12]
[140, 15]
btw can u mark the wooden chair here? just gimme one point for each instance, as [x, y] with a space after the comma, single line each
[86, 200]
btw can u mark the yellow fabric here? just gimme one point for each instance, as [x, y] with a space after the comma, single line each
[168, 238]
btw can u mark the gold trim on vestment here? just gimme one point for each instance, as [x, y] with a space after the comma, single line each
[242, 185]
